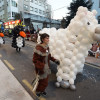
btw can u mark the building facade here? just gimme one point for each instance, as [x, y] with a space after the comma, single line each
[35, 12]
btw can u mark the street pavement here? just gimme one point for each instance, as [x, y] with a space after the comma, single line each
[10, 88]
[88, 84]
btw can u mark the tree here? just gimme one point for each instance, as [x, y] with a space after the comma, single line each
[74, 6]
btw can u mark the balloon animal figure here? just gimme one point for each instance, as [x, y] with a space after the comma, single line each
[71, 45]
[18, 38]
[2, 41]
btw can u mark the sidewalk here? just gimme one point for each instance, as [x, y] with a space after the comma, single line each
[10, 88]
[93, 61]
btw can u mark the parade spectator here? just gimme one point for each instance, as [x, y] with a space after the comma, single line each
[41, 60]
[36, 34]
[93, 50]
[27, 33]
[10, 32]
[32, 30]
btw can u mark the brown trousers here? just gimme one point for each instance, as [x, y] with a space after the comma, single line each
[43, 83]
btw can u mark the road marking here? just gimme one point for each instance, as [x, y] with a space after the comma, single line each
[92, 66]
[30, 87]
[0, 55]
[27, 84]
[9, 65]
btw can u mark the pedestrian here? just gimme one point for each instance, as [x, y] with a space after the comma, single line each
[27, 34]
[32, 30]
[41, 61]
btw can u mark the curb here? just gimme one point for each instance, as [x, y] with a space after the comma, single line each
[92, 64]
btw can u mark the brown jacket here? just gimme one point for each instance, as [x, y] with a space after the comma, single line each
[39, 58]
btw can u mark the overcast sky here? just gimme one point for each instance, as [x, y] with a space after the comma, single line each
[59, 14]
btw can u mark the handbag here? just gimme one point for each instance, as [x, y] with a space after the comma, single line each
[35, 83]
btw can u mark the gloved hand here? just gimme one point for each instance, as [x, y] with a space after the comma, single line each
[57, 62]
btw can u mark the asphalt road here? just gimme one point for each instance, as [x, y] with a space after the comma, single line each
[88, 84]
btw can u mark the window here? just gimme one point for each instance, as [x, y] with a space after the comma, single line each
[40, 11]
[36, 1]
[9, 14]
[99, 19]
[36, 10]
[13, 14]
[27, 0]
[40, 3]
[31, 9]
[26, 7]
[14, 3]
[31, 0]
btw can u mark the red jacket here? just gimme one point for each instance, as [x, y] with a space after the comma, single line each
[39, 58]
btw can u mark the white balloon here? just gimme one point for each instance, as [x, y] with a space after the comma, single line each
[57, 74]
[62, 56]
[75, 70]
[72, 66]
[65, 84]
[94, 12]
[89, 46]
[1, 40]
[75, 51]
[70, 46]
[59, 43]
[77, 44]
[65, 76]
[59, 79]
[51, 41]
[83, 60]
[72, 74]
[57, 84]
[66, 69]
[71, 81]
[72, 38]
[85, 41]
[78, 63]
[57, 57]
[73, 59]
[82, 66]
[80, 56]
[82, 49]
[66, 62]
[58, 50]
[51, 48]
[60, 72]
[68, 54]
[80, 37]
[63, 48]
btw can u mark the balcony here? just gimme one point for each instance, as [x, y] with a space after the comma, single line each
[38, 18]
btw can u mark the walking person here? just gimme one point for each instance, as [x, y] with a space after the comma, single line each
[41, 60]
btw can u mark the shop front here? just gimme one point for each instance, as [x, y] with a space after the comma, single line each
[11, 24]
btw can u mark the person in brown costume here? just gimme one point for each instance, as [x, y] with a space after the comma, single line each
[41, 61]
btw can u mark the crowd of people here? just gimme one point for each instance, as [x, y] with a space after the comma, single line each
[95, 50]
[32, 34]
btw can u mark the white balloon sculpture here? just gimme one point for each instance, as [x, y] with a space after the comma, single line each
[71, 45]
